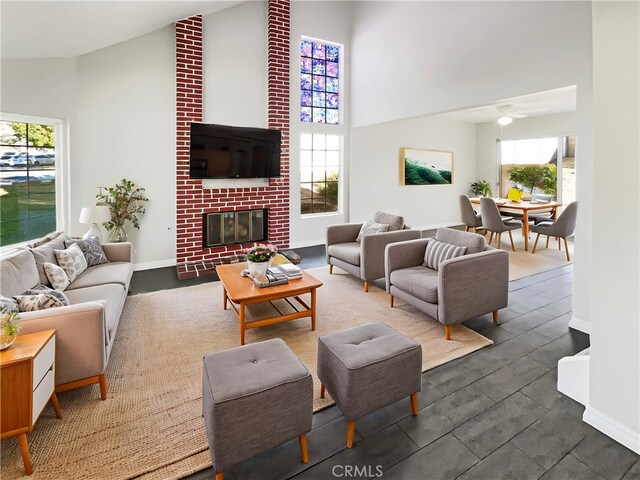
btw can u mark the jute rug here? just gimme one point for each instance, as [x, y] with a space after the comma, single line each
[151, 426]
[524, 264]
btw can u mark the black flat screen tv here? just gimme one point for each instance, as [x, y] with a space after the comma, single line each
[219, 151]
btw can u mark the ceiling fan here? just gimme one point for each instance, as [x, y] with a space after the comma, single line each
[507, 114]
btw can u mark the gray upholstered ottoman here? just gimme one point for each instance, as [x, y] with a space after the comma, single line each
[254, 398]
[369, 367]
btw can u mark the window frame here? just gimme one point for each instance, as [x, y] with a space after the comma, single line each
[63, 205]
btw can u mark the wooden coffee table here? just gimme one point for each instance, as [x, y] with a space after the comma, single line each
[242, 292]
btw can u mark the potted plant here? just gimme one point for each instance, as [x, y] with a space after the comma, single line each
[9, 328]
[125, 201]
[542, 176]
[259, 258]
[482, 188]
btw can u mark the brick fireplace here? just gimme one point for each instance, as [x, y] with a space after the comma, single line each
[194, 201]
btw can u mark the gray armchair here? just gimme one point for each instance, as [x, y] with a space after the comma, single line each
[461, 289]
[364, 259]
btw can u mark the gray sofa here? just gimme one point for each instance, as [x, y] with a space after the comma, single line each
[86, 329]
[364, 259]
[461, 289]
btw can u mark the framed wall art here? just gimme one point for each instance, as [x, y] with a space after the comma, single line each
[426, 167]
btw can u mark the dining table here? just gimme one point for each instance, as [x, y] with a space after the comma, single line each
[524, 207]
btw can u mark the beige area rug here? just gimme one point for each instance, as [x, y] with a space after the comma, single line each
[151, 426]
[524, 264]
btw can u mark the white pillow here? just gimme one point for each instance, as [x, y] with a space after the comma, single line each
[56, 275]
[72, 260]
[369, 227]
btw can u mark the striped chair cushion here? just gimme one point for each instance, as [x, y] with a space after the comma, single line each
[437, 252]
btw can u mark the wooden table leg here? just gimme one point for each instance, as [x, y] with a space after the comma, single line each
[24, 449]
[525, 229]
[56, 405]
[224, 298]
[242, 325]
[313, 309]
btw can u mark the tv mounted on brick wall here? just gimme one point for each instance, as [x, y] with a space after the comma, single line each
[219, 151]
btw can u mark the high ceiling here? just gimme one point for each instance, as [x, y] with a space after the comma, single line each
[52, 29]
[543, 103]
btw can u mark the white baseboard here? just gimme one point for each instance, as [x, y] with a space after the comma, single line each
[612, 428]
[171, 262]
[579, 324]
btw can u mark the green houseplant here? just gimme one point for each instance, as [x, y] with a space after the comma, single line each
[543, 177]
[9, 328]
[482, 188]
[125, 202]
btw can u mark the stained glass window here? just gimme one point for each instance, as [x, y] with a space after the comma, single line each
[319, 82]
[319, 172]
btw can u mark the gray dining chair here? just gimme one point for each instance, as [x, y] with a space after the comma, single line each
[563, 227]
[495, 223]
[539, 216]
[470, 218]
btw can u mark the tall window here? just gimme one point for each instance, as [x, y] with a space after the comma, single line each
[319, 172]
[535, 160]
[28, 181]
[319, 82]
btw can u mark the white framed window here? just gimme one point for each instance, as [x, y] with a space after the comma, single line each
[320, 161]
[32, 197]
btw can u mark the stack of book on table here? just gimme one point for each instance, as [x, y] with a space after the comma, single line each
[290, 270]
[276, 276]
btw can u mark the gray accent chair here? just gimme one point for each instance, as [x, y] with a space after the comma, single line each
[461, 289]
[470, 218]
[254, 398]
[495, 223]
[369, 367]
[563, 227]
[364, 259]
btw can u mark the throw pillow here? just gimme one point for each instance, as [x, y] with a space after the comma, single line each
[8, 305]
[437, 252]
[31, 303]
[57, 276]
[44, 289]
[72, 261]
[91, 249]
[369, 227]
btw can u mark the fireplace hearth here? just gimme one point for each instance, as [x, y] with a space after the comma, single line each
[230, 228]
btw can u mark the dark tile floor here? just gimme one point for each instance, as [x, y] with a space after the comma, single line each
[493, 414]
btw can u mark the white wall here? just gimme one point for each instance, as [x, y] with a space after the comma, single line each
[418, 58]
[125, 128]
[329, 21]
[614, 400]
[375, 170]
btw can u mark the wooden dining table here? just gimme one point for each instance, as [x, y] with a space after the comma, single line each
[523, 207]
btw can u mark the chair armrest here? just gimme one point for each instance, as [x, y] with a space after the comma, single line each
[403, 255]
[81, 338]
[342, 233]
[118, 252]
[372, 251]
[472, 285]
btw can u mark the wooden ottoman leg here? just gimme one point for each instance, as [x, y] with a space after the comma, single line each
[303, 448]
[414, 404]
[220, 476]
[495, 317]
[321, 391]
[351, 428]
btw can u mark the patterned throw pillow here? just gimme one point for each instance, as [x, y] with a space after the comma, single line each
[437, 252]
[91, 249]
[31, 303]
[44, 289]
[8, 305]
[370, 227]
[57, 276]
[72, 261]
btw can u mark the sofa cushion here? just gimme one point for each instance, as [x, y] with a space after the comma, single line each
[371, 228]
[113, 272]
[72, 260]
[44, 289]
[475, 243]
[347, 252]
[44, 254]
[112, 294]
[18, 273]
[38, 301]
[91, 249]
[437, 252]
[421, 282]
[395, 222]
[57, 276]
[43, 240]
